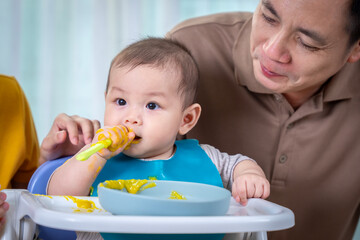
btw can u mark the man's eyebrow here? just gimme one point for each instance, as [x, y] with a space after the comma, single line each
[314, 35]
[311, 34]
[267, 4]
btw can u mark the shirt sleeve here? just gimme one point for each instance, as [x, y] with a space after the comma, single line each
[225, 163]
[19, 144]
[32, 150]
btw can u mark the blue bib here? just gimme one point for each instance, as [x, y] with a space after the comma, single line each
[190, 163]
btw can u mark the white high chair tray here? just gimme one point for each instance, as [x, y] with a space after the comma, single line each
[59, 212]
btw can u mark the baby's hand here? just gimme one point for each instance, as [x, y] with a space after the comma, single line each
[120, 136]
[249, 182]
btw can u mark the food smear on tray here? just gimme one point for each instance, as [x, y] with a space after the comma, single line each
[83, 205]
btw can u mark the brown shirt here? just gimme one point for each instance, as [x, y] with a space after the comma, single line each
[311, 156]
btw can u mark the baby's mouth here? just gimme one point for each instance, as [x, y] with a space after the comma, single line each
[136, 139]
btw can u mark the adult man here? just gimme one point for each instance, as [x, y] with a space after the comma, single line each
[282, 86]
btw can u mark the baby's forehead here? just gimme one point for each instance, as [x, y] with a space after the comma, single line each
[147, 74]
[173, 72]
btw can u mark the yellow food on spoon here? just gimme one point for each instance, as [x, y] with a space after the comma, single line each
[106, 142]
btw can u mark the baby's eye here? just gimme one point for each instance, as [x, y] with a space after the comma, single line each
[120, 101]
[152, 106]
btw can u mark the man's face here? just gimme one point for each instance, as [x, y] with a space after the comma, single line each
[298, 45]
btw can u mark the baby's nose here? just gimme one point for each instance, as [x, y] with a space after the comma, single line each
[133, 120]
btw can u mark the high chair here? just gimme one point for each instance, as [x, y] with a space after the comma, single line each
[37, 185]
[27, 211]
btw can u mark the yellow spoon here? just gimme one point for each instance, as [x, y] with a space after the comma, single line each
[93, 149]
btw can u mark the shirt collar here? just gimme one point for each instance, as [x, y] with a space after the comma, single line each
[342, 85]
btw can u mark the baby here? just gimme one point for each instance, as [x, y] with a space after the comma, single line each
[149, 101]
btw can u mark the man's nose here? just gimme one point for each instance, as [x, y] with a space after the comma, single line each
[276, 48]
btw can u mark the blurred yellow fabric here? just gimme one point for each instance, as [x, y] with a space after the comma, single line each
[19, 147]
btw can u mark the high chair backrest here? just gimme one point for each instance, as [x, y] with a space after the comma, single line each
[37, 185]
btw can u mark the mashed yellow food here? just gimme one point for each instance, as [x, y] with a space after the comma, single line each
[132, 185]
[177, 196]
[82, 204]
[135, 185]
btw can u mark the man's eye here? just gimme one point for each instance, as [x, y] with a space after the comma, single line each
[120, 101]
[307, 46]
[310, 48]
[152, 106]
[268, 19]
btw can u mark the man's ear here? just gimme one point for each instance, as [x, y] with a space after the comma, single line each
[190, 117]
[355, 53]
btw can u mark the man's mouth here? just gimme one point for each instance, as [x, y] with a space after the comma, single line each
[269, 73]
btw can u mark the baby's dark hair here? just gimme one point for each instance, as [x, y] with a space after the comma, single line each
[163, 53]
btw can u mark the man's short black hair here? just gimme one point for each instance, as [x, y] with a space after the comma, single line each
[353, 23]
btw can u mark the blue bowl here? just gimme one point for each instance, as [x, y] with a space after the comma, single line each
[201, 200]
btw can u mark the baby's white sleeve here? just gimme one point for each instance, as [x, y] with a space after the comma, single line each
[224, 162]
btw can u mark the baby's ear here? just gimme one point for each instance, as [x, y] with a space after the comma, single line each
[190, 117]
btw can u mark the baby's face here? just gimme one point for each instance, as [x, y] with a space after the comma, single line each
[147, 100]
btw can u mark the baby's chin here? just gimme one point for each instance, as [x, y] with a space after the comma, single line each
[140, 151]
[133, 152]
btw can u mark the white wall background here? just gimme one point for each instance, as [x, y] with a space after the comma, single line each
[60, 50]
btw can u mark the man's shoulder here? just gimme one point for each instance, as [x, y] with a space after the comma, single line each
[219, 19]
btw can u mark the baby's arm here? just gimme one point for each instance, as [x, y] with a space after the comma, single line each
[240, 174]
[76, 177]
[249, 182]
